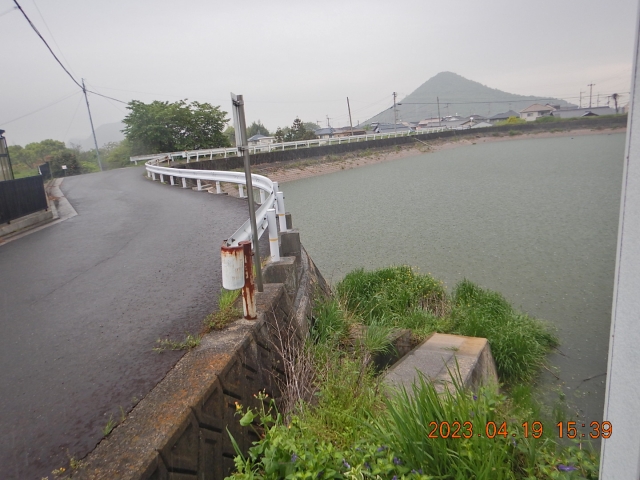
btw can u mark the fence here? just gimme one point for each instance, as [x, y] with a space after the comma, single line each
[210, 153]
[21, 197]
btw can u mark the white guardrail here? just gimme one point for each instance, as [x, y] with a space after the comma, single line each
[268, 198]
[273, 147]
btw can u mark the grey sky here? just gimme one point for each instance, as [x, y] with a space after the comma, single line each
[297, 58]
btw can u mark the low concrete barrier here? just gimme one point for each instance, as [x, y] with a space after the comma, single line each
[179, 431]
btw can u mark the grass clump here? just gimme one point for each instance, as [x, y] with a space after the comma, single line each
[352, 426]
[227, 311]
[189, 342]
[518, 342]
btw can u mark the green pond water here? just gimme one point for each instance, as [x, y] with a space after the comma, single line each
[535, 219]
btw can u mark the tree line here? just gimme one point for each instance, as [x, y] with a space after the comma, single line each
[150, 128]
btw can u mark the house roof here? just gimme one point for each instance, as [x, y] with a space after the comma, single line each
[584, 112]
[257, 137]
[505, 115]
[324, 131]
[536, 107]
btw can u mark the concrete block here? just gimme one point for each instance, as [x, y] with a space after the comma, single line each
[290, 244]
[441, 354]
[32, 220]
[283, 271]
[289, 221]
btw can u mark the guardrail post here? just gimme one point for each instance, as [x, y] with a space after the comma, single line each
[148, 174]
[263, 196]
[248, 290]
[184, 182]
[281, 212]
[153, 175]
[241, 190]
[218, 188]
[199, 184]
[273, 235]
[161, 178]
[171, 180]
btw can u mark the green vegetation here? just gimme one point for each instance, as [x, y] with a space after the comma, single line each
[511, 121]
[299, 130]
[189, 342]
[25, 160]
[227, 311]
[108, 428]
[350, 425]
[168, 127]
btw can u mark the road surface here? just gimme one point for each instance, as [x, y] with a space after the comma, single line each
[83, 302]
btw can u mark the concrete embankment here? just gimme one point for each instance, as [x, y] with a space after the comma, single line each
[179, 430]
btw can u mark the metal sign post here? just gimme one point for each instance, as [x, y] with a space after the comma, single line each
[241, 143]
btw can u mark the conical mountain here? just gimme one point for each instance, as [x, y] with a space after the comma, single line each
[458, 96]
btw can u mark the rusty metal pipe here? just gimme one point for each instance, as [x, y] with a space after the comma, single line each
[248, 290]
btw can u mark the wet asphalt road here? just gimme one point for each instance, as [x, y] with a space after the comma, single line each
[83, 302]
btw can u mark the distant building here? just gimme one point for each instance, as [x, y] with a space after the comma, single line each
[584, 112]
[501, 117]
[324, 133]
[260, 140]
[348, 131]
[390, 128]
[536, 111]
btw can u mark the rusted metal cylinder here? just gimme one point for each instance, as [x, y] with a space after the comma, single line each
[248, 290]
[232, 267]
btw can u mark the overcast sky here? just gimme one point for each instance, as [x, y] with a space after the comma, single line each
[298, 58]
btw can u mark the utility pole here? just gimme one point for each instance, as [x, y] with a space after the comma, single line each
[328, 124]
[350, 121]
[95, 141]
[439, 117]
[590, 92]
[395, 117]
[598, 100]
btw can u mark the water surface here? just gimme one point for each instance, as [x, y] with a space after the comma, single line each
[535, 219]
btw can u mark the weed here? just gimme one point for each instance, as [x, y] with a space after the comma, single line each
[108, 428]
[75, 464]
[190, 341]
[227, 312]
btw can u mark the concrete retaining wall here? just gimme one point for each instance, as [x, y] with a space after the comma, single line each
[231, 163]
[179, 431]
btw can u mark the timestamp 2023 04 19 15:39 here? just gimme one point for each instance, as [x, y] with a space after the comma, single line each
[568, 429]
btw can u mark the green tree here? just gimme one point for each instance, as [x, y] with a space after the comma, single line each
[280, 135]
[116, 154]
[36, 153]
[230, 133]
[159, 127]
[311, 127]
[257, 128]
[67, 158]
[298, 132]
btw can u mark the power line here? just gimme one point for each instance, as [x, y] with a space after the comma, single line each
[56, 57]
[39, 109]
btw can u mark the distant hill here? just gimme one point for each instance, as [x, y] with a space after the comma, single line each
[458, 95]
[107, 133]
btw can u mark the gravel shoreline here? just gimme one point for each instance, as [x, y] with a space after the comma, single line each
[283, 172]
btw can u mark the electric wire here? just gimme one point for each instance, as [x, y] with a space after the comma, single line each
[35, 29]
[39, 109]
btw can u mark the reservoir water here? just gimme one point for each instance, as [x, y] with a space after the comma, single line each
[535, 219]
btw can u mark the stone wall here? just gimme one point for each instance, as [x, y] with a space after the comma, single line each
[179, 431]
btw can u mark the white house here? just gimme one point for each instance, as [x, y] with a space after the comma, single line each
[535, 111]
[259, 140]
